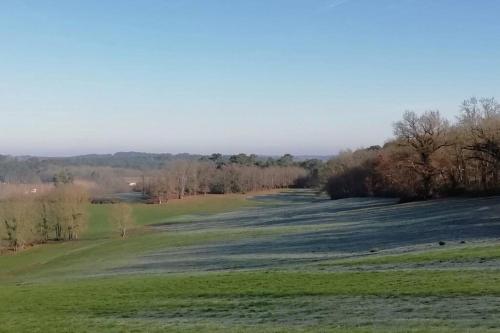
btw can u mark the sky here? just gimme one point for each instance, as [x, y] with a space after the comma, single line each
[263, 76]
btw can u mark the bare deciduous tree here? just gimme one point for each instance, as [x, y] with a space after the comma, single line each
[194, 177]
[121, 218]
[17, 218]
[480, 123]
[423, 135]
[68, 211]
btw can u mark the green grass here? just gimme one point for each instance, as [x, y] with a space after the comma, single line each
[272, 284]
[111, 303]
[201, 205]
[147, 214]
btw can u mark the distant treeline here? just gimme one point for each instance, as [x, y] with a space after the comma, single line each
[30, 169]
[428, 157]
[218, 174]
[105, 174]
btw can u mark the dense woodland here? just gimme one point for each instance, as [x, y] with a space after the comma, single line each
[428, 157]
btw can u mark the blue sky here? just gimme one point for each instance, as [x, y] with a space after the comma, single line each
[263, 76]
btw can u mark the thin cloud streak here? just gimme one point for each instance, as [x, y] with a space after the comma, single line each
[337, 3]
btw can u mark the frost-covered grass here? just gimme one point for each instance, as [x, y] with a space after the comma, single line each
[297, 263]
[455, 254]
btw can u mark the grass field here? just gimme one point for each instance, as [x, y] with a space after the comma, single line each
[278, 263]
[101, 248]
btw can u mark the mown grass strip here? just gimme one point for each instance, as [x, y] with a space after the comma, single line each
[262, 283]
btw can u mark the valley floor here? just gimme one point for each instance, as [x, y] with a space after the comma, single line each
[288, 262]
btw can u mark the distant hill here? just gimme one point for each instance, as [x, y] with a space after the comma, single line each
[300, 158]
[32, 169]
[134, 160]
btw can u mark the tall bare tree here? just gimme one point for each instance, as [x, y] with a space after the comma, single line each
[423, 136]
[480, 122]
